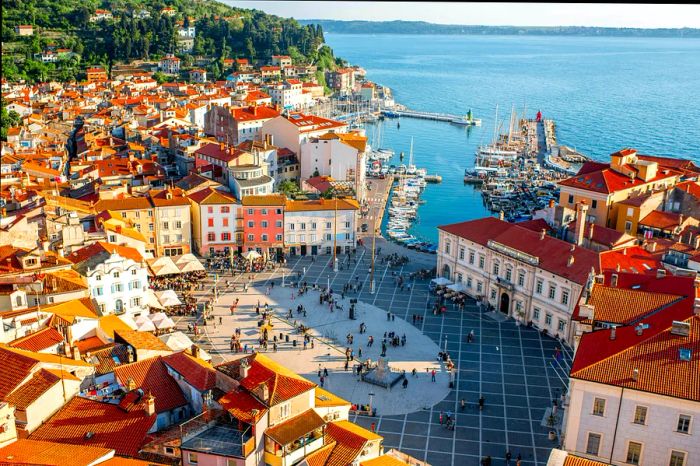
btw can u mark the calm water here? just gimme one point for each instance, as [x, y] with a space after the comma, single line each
[604, 93]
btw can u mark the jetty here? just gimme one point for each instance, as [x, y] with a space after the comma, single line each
[430, 116]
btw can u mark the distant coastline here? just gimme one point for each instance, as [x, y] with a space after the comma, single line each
[422, 27]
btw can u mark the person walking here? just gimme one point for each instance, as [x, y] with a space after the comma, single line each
[508, 457]
[432, 374]
[405, 383]
[482, 400]
[325, 372]
[322, 380]
[462, 404]
[441, 415]
[518, 460]
[372, 427]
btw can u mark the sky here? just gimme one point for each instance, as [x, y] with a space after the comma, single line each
[490, 14]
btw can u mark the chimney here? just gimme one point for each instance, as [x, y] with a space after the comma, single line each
[635, 375]
[195, 351]
[660, 273]
[265, 393]
[244, 369]
[617, 268]
[76, 353]
[150, 404]
[612, 333]
[130, 354]
[613, 279]
[570, 262]
[696, 307]
[639, 329]
[130, 385]
[581, 210]
[501, 215]
[590, 231]
[624, 252]
[543, 233]
[696, 242]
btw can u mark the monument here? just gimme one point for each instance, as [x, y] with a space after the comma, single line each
[382, 375]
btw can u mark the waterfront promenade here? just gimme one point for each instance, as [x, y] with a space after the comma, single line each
[510, 366]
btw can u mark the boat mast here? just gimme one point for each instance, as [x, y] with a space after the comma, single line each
[510, 126]
[495, 127]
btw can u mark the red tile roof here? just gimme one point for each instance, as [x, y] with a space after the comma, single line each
[603, 179]
[26, 394]
[625, 306]
[241, 404]
[16, 368]
[553, 254]
[196, 372]
[690, 187]
[633, 259]
[655, 354]
[152, 376]
[307, 122]
[110, 426]
[254, 113]
[661, 220]
[37, 452]
[215, 151]
[38, 341]
[94, 249]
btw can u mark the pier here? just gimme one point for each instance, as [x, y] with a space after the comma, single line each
[427, 116]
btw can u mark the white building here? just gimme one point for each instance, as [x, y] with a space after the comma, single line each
[309, 226]
[524, 274]
[169, 64]
[291, 130]
[634, 392]
[289, 95]
[117, 277]
[187, 32]
[341, 156]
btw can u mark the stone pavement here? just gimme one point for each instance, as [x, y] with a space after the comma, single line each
[511, 366]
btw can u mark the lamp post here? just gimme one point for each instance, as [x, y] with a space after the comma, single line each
[371, 397]
[374, 236]
[335, 236]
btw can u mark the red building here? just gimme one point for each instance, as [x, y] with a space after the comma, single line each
[263, 224]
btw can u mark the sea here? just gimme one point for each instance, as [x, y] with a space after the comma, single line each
[604, 93]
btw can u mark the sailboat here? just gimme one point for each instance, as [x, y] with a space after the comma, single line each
[492, 157]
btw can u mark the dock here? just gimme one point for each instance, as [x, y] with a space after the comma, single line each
[426, 116]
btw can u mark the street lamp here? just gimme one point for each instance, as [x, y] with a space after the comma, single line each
[371, 396]
[445, 343]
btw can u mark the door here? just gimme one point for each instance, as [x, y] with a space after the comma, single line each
[314, 250]
[303, 250]
[505, 303]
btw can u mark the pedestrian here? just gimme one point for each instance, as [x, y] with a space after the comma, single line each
[440, 417]
[346, 365]
[359, 352]
[405, 383]
[432, 374]
[414, 373]
[393, 316]
[486, 461]
[462, 404]
[508, 457]
[482, 400]
[518, 460]
[325, 372]
[322, 380]
[372, 427]
[319, 370]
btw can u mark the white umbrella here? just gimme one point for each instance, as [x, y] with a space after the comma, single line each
[163, 266]
[179, 260]
[441, 281]
[165, 323]
[168, 298]
[191, 266]
[141, 319]
[158, 316]
[252, 254]
[152, 300]
[147, 326]
[458, 287]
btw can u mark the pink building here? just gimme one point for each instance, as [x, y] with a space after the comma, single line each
[263, 224]
[216, 225]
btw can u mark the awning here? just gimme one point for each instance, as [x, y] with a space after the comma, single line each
[163, 266]
[441, 281]
[147, 326]
[168, 298]
[179, 260]
[151, 300]
[295, 428]
[158, 316]
[165, 323]
[191, 266]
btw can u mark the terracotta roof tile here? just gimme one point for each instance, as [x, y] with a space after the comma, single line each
[384, 460]
[196, 372]
[89, 252]
[38, 341]
[110, 426]
[661, 220]
[321, 204]
[241, 404]
[38, 452]
[142, 340]
[152, 376]
[293, 429]
[633, 259]
[264, 200]
[578, 461]
[625, 306]
[106, 359]
[26, 394]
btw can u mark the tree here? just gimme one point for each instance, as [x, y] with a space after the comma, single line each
[288, 187]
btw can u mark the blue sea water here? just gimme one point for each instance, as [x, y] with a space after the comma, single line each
[604, 93]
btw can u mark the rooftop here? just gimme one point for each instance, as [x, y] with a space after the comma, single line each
[218, 440]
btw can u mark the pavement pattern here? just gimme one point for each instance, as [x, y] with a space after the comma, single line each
[510, 365]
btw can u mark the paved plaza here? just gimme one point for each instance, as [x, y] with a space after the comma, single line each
[511, 366]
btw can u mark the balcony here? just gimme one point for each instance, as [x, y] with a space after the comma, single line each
[507, 284]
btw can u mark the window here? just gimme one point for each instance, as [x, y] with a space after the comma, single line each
[278, 238]
[264, 211]
[225, 220]
[264, 224]
[509, 273]
[98, 277]
[137, 214]
[593, 444]
[192, 458]
[599, 407]
[552, 291]
[493, 294]
[521, 278]
[594, 204]
[548, 320]
[97, 291]
[178, 224]
[347, 224]
[329, 237]
[211, 237]
[634, 452]
[347, 235]
[471, 257]
[677, 458]
[565, 297]
[447, 247]
[225, 209]
[165, 225]
[328, 225]
[640, 415]
[313, 226]
[683, 424]
[123, 214]
[250, 211]
[118, 287]
[166, 238]
[469, 282]
[135, 302]
[263, 237]
[302, 226]
[278, 223]
[481, 262]
[251, 224]
[291, 226]
[18, 301]
[116, 275]
[461, 254]
[562, 325]
[459, 278]
[536, 314]
[251, 237]
[284, 410]
[571, 198]
[496, 268]
[630, 211]
[133, 271]
[628, 226]
[225, 236]
[150, 213]
[150, 227]
[538, 287]
[278, 211]
[478, 287]
[518, 306]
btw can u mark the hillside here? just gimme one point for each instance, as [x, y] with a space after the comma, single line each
[147, 29]
[421, 27]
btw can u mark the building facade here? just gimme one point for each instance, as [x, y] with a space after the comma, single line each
[313, 227]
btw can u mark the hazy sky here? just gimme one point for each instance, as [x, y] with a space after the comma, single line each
[490, 14]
